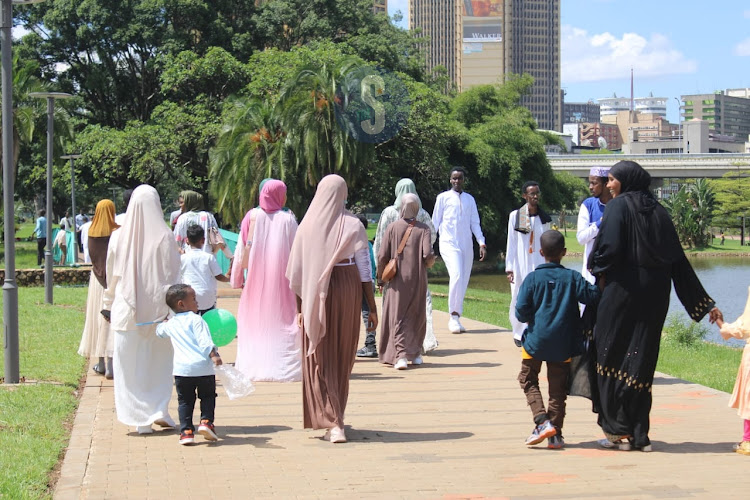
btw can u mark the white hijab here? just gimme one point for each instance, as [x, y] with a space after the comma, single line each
[146, 258]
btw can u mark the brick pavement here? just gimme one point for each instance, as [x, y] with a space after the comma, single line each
[452, 428]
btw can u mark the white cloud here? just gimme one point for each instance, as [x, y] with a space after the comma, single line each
[603, 56]
[743, 48]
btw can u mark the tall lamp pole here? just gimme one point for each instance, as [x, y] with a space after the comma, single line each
[50, 97]
[679, 126]
[10, 288]
[73, 157]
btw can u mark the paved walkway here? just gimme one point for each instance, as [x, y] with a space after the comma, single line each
[452, 428]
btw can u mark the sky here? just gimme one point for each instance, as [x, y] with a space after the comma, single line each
[675, 47]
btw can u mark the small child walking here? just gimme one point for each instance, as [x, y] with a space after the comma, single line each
[194, 358]
[201, 270]
[548, 301]
[740, 399]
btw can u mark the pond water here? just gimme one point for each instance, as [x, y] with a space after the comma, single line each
[726, 279]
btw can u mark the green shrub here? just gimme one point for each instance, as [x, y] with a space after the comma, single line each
[687, 333]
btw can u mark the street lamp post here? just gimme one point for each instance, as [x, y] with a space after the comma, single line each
[10, 288]
[50, 96]
[73, 199]
[679, 127]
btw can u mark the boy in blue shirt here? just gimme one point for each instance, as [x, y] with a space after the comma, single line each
[548, 301]
[194, 358]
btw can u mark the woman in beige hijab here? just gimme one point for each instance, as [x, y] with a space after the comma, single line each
[142, 262]
[329, 270]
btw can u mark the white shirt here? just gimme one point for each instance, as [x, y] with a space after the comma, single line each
[517, 256]
[85, 242]
[586, 235]
[199, 270]
[456, 217]
[192, 344]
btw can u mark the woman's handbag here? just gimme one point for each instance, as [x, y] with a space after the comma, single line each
[392, 267]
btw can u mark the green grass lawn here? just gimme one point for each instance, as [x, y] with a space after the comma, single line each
[704, 363]
[35, 417]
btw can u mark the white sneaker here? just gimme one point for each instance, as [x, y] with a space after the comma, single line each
[417, 361]
[401, 364]
[463, 329]
[453, 324]
[144, 429]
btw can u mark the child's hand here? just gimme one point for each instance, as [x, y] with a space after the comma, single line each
[217, 360]
[300, 321]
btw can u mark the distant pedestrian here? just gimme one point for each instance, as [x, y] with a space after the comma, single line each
[722, 238]
[525, 228]
[40, 230]
[403, 324]
[193, 366]
[548, 301]
[456, 218]
[200, 270]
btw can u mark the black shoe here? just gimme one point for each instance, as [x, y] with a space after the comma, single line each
[518, 342]
[368, 351]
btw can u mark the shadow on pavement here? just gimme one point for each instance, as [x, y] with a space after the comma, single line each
[457, 365]
[374, 376]
[669, 381]
[442, 353]
[402, 437]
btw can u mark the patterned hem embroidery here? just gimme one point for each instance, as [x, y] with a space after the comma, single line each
[620, 375]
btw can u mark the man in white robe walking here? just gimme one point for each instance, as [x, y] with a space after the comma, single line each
[456, 218]
[525, 228]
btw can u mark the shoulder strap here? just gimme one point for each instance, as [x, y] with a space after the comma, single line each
[405, 237]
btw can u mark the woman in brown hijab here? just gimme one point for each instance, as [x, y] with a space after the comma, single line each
[96, 340]
[403, 328]
[329, 270]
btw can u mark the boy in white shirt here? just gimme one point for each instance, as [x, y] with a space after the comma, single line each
[194, 358]
[201, 270]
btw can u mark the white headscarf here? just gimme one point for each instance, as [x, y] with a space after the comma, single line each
[146, 257]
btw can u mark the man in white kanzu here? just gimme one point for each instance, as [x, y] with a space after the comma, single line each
[591, 213]
[456, 217]
[525, 228]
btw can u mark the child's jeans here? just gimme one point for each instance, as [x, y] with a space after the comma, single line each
[557, 377]
[369, 335]
[187, 387]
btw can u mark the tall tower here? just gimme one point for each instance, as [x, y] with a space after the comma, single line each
[440, 21]
[484, 41]
[532, 45]
[380, 7]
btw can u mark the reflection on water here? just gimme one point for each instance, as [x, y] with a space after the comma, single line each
[726, 279]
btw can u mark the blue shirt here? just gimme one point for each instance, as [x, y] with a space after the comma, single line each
[192, 344]
[372, 261]
[41, 227]
[596, 210]
[548, 302]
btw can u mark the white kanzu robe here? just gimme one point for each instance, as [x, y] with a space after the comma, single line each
[456, 218]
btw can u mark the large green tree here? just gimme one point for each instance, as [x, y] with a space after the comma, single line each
[732, 193]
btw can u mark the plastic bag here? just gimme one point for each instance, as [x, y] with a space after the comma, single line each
[236, 384]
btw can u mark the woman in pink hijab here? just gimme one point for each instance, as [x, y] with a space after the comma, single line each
[329, 270]
[269, 344]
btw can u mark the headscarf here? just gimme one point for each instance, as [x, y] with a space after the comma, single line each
[409, 206]
[191, 201]
[104, 220]
[272, 195]
[145, 257]
[402, 187]
[328, 234]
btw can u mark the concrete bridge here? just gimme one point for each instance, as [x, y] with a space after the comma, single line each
[670, 166]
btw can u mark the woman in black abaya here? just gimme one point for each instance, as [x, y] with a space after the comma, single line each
[636, 257]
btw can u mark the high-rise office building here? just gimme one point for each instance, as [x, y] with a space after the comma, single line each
[484, 41]
[380, 6]
[727, 112]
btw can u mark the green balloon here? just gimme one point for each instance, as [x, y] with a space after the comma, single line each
[222, 325]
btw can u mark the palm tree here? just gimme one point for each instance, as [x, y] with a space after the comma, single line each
[321, 145]
[26, 110]
[249, 148]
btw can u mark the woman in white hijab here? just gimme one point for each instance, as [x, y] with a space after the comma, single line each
[142, 262]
